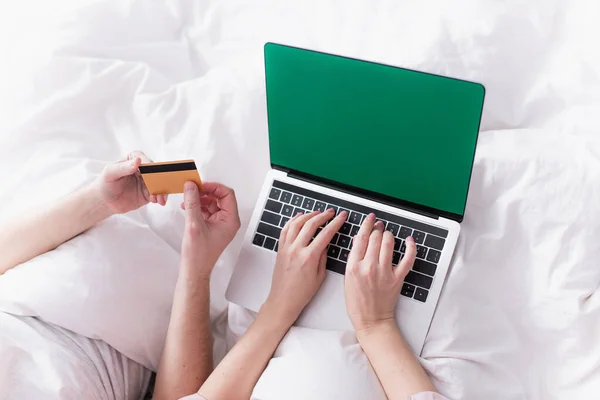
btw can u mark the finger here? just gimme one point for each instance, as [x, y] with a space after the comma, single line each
[225, 196]
[210, 204]
[361, 240]
[145, 191]
[374, 245]
[324, 237]
[121, 169]
[162, 199]
[387, 249]
[145, 159]
[310, 227]
[297, 225]
[152, 198]
[322, 265]
[284, 231]
[191, 199]
[408, 260]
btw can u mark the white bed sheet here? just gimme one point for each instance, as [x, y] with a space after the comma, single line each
[519, 317]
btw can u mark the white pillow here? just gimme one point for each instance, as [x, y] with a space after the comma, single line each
[316, 364]
[114, 282]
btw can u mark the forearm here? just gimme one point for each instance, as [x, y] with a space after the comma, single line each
[398, 370]
[235, 377]
[187, 356]
[46, 228]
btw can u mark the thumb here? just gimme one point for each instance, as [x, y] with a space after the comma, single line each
[121, 169]
[191, 202]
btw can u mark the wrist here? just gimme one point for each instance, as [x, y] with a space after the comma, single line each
[376, 329]
[93, 196]
[196, 270]
[273, 316]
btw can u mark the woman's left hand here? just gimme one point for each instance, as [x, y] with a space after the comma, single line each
[122, 188]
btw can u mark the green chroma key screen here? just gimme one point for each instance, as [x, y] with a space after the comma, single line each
[401, 133]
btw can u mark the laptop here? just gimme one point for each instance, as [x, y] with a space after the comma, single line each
[364, 137]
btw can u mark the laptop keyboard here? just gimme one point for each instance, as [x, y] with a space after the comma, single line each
[287, 200]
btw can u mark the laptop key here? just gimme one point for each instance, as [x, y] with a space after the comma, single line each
[418, 279]
[392, 227]
[344, 255]
[397, 244]
[335, 238]
[404, 232]
[336, 265]
[308, 203]
[407, 290]
[287, 210]
[297, 200]
[418, 236]
[421, 295]
[274, 194]
[344, 241]
[268, 230]
[403, 247]
[284, 221]
[258, 239]
[396, 258]
[333, 251]
[269, 243]
[421, 251]
[319, 206]
[276, 246]
[355, 218]
[286, 197]
[354, 230]
[271, 218]
[274, 206]
[297, 211]
[435, 242]
[433, 256]
[424, 267]
[346, 228]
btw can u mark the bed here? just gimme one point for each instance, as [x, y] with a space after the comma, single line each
[84, 83]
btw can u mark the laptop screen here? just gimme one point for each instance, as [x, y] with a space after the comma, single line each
[403, 134]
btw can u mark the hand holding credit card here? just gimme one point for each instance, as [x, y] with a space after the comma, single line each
[169, 177]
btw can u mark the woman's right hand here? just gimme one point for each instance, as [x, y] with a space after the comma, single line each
[372, 284]
[300, 267]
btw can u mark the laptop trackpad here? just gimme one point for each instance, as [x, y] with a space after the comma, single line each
[327, 310]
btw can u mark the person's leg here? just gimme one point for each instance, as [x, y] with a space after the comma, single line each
[41, 361]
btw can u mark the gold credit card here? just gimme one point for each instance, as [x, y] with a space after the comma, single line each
[170, 176]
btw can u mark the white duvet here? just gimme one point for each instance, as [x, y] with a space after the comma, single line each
[519, 317]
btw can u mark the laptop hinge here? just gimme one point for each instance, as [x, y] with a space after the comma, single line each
[359, 192]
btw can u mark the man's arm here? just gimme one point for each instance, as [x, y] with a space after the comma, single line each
[118, 189]
[211, 223]
[46, 229]
[186, 361]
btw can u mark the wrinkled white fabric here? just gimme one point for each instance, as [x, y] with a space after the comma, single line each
[41, 361]
[519, 317]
